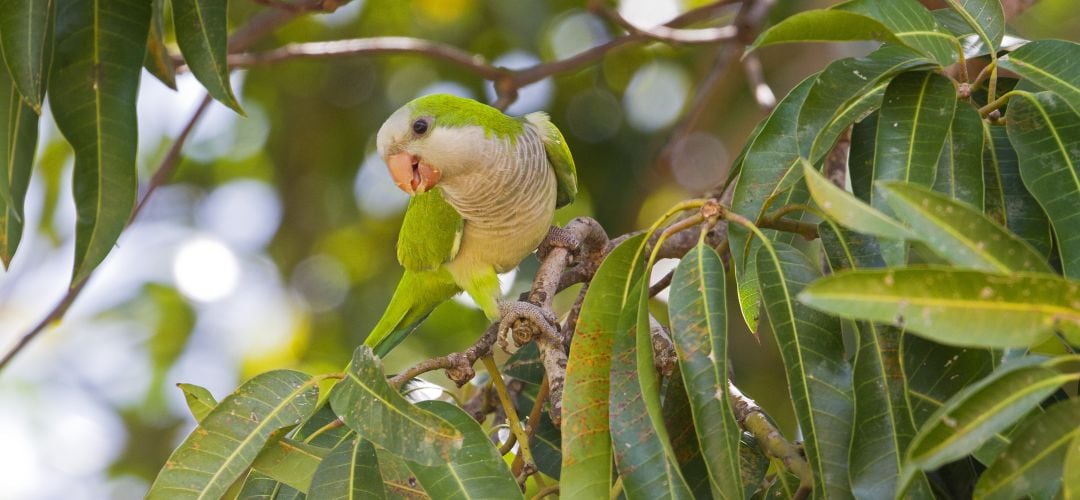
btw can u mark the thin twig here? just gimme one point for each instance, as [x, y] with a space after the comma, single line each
[458, 365]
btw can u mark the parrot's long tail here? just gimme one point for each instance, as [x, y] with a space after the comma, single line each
[417, 294]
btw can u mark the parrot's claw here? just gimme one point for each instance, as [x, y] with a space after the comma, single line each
[525, 321]
[558, 237]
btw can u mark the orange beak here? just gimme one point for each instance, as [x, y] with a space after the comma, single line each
[410, 174]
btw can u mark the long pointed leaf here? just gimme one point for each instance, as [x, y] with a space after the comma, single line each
[95, 82]
[1051, 64]
[959, 169]
[199, 400]
[825, 26]
[586, 466]
[225, 443]
[368, 405]
[290, 462]
[679, 422]
[202, 34]
[818, 376]
[1046, 134]
[26, 31]
[158, 61]
[848, 210]
[18, 140]
[911, 23]
[985, 17]
[350, 471]
[698, 312]
[957, 307]
[1007, 199]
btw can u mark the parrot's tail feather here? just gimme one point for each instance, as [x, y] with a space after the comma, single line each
[417, 294]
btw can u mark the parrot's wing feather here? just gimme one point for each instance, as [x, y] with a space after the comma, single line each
[430, 234]
[558, 155]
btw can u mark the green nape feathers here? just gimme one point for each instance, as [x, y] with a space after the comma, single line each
[491, 168]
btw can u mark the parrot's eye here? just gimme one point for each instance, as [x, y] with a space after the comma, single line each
[420, 126]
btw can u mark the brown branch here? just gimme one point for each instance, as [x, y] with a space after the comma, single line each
[458, 365]
[753, 420]
[665, 33]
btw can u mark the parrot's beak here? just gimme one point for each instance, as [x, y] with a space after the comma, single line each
[411, 174]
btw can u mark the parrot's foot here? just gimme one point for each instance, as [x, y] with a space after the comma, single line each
[525, 321]
[558, 237]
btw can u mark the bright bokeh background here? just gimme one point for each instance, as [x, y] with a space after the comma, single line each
[273, 245]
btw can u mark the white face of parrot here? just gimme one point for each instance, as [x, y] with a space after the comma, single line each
[420, 154]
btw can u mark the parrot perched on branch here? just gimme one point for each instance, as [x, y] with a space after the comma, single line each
[484, 189]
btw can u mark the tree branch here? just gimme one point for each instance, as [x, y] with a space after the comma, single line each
[753, 420]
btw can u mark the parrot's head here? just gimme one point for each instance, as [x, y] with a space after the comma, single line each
[437, 139]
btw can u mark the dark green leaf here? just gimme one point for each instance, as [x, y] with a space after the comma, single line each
[199, 400]
[226, 442]
[1007, 199]
[350, 471]
[985, 17]
[546, 441]
[959, 169]
[95, 110]
[475, 471]
[158, 61]
[959, 233]
[258, 486]
[586, 461]
[957, 307]
[398, 480]
[1036, 455]
[912, 24]
[368, 405]
[525, 365]
[290, 462]
[202, 32]
[1051, 64]
[1046, 134]
[849, 210]
[698, 312]
[679, 422]
[818, 374]
[825, 26]
[18, 140]
[26, 41]
[936, 372]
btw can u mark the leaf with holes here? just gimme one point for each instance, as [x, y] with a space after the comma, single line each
[202, 32]
[350, 471]
[226, 442]
[26, 41]
[1051, 64]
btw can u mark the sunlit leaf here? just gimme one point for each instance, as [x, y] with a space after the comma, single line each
[960, 233]
[1051, 64]
[203, 36]
[290, 462]
[1046, 134]
[1034, 459]
[1070, 479]
[818, 375]
[586, 462]
[848, 210]
[911, 23]
[825, 26]
[475, 471]
[199, 400]
[228, 439]
[957, 307]
[368, 405]
[158, 61]
[698, 312]
[1007, 199]
[350, 471]
[18, 141]
[26, 41]
[985, 17]
[960, 167]
[95, 110]
[976, 413]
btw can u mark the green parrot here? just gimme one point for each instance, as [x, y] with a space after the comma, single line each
[484, 190]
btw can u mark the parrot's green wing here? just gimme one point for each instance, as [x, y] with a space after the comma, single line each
[430, 234]
[559, 156]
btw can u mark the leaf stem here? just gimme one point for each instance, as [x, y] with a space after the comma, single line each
[508, 406]
[995, 104]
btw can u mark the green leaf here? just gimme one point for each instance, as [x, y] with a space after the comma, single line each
[1070, 479]
[642, 449]
[350, 471]
[848, 210]
[18, 141]
[199, 400]
[912, 24]
[226, 442]
[959, 233]
[976, 413]
[1051, 64]
[959, 169]
[985, 17]
[475, 471]
[936, 372]
[1008, 201]
[95, 110]
[368, 405]
[768, 160]
[158, 61]
[290, 462]
[398, 480]
[679, 422]
[26, 41]
[825, 26]
[202, 32]
[1046, 134]
[586, 462]
[952, 306]
[698, 313]
[818, 375]
[1036, 455]
[258, 486]
[882, 422]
